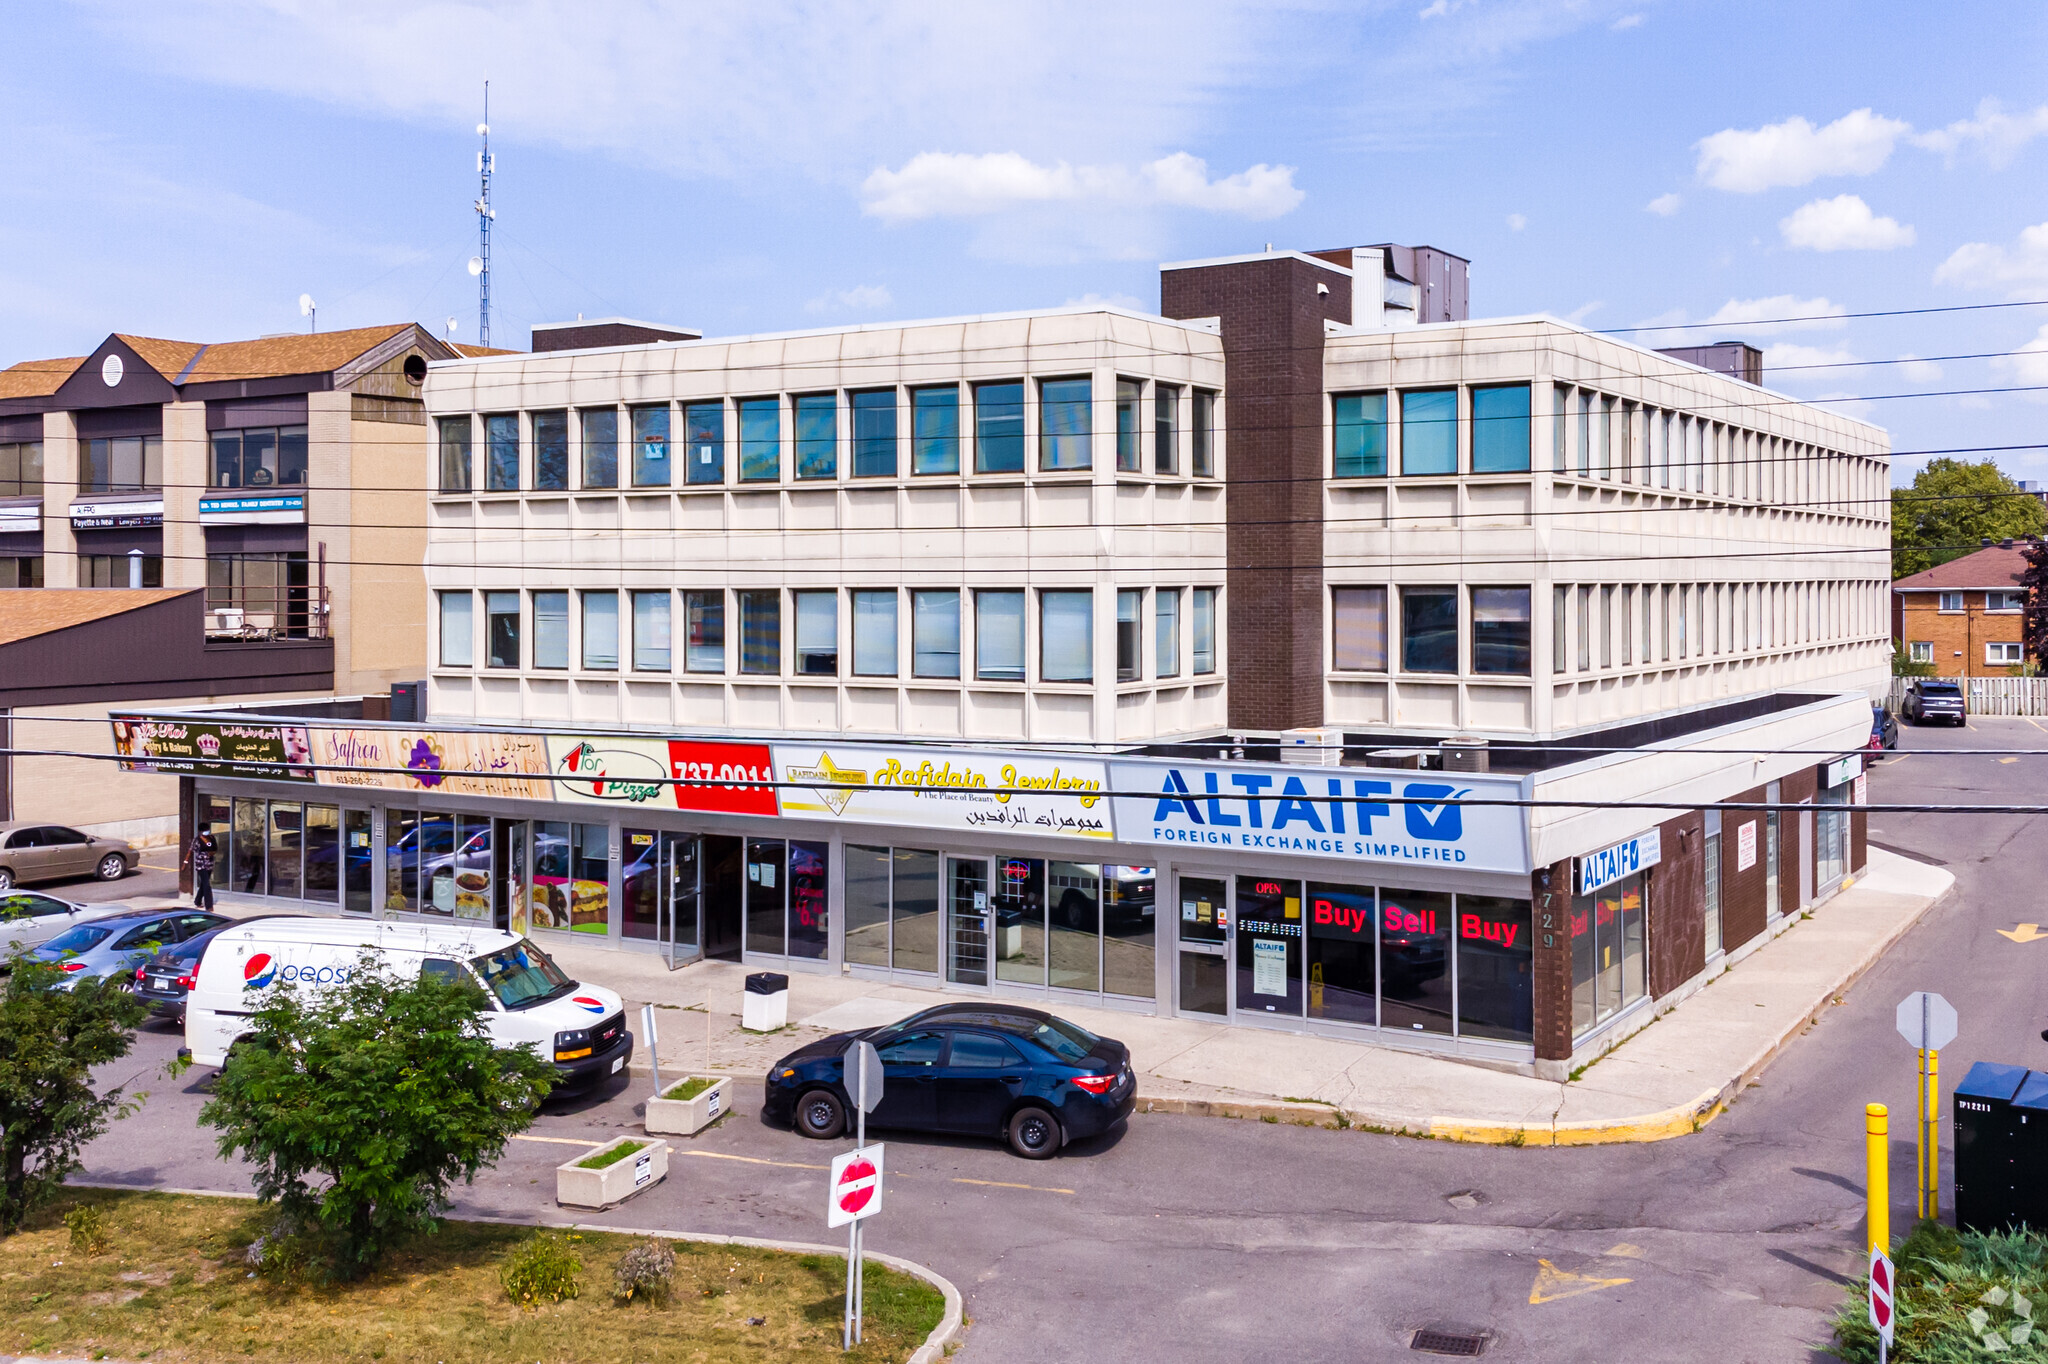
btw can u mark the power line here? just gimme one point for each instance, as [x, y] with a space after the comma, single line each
[1827, 317]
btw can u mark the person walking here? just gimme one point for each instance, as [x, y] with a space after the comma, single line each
[204, 850]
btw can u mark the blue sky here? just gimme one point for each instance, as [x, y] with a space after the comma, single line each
[189, 169]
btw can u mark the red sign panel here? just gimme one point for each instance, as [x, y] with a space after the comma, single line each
[726, 779]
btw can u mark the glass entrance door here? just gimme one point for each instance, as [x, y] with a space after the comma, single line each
[967, 920]
[1204, 976]
[681, 864]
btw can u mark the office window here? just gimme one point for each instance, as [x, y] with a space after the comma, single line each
[761, 632]
[704, 442]
[874, 634]
[550, 451]
[454, 454]
[999, 428]
[1129, 397]
[704, 632]
[1166, 632]
[1358, 629]
[600, 630]
[1582, 431]
[874, 433]
[650, 447]
[1203, 626]
[1130, 612]
[650, 632]
[551, 629]
[1066, 637]
[935, 634]
[1429, 629]
[1999, 654]
[999, 636]
[1607, 627]
[257, 457]
[817, 435]
[1429, 432]
[1500, 631]
[458, 635]
[760, 440]
[1359, 437]
[119, 570]
[1165, 429]
[1500, 430]
[935, 430]
[21, 570]
[1649, 595]
[1065, 424]
[1923, 651]
[501, 629]
[501, 452]
[1585, 629]
[21, 469]
[1560, 611]
[600, 447]
[1560, 428]
[1628, 629]
[817, 634]
[1203, 436]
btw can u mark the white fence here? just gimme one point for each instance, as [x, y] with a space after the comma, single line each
[1990, 695]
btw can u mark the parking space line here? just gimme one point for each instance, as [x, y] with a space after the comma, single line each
[752, 1160]
[999, 1184]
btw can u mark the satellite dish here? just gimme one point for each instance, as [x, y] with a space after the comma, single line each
[305, 305]
[483, 129]
[451, 326]
[476, 265]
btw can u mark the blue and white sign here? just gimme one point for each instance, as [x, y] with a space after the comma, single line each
[1625, 858]
[1352, 814]
[253, 509]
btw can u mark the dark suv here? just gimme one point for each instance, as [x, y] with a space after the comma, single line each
[1930, 698]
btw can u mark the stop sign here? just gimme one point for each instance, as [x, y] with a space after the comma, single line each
[856, 1186]
[1881, 1294]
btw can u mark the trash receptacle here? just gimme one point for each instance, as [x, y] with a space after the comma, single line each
[766, 1004]
[1988, 1146]
[2030, 1152]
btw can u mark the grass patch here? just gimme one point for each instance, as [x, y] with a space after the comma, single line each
[689, 1089]
[174, 1283]
[1961, 1296]
[610, 1156]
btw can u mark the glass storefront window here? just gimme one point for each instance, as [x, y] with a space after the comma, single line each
[1130, 931]
[1608, 970]
[640, 884]
[1019, 898]
[867, 905]
[1496, 981]
[549, 902]
[1415, 951]
[401, 861]
[286, 845]
[358, 885]
[1074, 929]
[685, 854]
[810, 897]
[469, 872]
[914, 910]
[767, 896]
[321, 841]
[436, 853]
[245, 867]
[1713, 882]
[1269, 942]
[1831, 836]
[1343, 963]
[590, 870]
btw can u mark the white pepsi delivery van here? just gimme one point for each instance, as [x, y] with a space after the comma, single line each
[581, 1028]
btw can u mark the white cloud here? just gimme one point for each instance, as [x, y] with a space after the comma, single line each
[1843, 223]
[1585, 310]
[1994, 134]
[1987, 265]
[1918, 370]
[862, 298]
[1626, 22]
[1786, 310]
[2030, 364]
[960, 185]
[1516, 222]
[1094, 300]
[1664, 205]
[1795, 152]
[1815, 361]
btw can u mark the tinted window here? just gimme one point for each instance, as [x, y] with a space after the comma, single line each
[1065, 1040]
[25, 838]
[21, 905]
[981, 1052]
[189, 924]
[1940, 689]
[156, 931]
[56, 835]
[918, 1049]
[77, 939]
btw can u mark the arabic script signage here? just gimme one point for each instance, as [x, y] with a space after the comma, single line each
[931, 789]
[206, 749]
[509, 766]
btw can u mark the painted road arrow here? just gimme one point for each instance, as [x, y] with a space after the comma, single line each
[2023, 933]
[1553, 1283]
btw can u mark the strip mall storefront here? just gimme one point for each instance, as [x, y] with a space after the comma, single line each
[1393, 905]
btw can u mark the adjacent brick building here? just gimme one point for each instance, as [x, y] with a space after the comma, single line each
[1964, 616]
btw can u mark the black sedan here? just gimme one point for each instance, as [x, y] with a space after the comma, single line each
[993, 1070]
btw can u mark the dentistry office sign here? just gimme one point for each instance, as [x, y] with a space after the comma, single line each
[1350, 814]
[931, 788]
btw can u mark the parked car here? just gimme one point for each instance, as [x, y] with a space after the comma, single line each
[29, 918]
[114, 945]
[1934, 698]
[51, 852]
[163, 981]
[993, 1070]
[1884, 730]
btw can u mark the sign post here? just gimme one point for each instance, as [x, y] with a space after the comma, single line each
[653, 1059]
[857, 1177]
[1880, 1300]
[1928, 1023]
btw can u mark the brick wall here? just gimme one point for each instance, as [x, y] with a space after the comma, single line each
[1744, 894]
[1958, 637]
[1551, 895]
[1678, 904]
[1273, 465]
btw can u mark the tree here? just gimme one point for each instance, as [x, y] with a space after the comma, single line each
[50, 1040]
[1952, 507]
[361, 1103]
[2034, 617]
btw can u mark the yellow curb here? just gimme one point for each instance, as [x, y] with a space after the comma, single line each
[1682, 1120]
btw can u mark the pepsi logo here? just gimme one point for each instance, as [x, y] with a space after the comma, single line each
[596, 1006]
[259, 971]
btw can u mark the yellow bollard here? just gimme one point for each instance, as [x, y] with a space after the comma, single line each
[1930, 1140]
[1876, 1169]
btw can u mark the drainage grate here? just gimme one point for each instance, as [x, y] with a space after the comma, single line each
[1437, 1340]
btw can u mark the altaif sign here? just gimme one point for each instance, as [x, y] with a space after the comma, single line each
[1624, 859]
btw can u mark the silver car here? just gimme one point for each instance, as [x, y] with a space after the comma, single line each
[29, 918]
[50, 852]
[116, 944]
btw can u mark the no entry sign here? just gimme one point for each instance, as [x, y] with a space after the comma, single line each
[856, 1186]
[1881, 1295]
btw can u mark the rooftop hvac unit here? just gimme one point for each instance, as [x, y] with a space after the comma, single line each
[1314, 747]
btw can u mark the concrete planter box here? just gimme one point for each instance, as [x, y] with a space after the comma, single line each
[687, 1117]
[577, 1187]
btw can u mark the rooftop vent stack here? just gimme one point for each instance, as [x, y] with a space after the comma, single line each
[1399, 286]
[1464, 754]
[1736, 359]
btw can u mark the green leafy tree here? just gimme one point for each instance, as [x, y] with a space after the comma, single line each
[360, 1105]
[1952, 507]
[50, 1040]
[2034, 616]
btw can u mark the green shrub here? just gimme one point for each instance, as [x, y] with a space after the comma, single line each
[544, 1269]
[88, 1230]
[689, 1089]
[1960, 1296]
[644, 1272]
[610, 1156]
